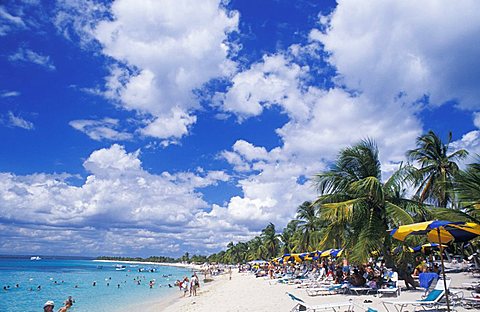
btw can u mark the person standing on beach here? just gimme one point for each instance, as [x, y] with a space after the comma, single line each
[185, 286]
[230, 272]
[193, 285]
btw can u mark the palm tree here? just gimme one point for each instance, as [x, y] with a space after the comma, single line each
[308, 227]
[435, 176]
[270, 240]
[256, 249]
[287, 237]
[355, 205]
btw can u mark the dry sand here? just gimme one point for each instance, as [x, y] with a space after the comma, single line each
[244, 292]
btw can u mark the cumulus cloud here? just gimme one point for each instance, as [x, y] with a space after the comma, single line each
[104, 129]
[164, 50]
[12, 120]
[29, 56]
[275, 80]
[118, 201]
[381, 48]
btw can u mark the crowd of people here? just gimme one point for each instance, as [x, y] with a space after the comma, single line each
[373, 274]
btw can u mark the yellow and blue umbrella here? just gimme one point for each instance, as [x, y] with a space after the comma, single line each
[439, 231]
[292, 258]
[423, 247]
[331, 253]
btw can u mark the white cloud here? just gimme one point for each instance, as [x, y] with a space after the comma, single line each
[476, 119]
[6, 94]
[101, 129]
[471, 142]
[118, 202]
[9, 22]
[275, 80]
[164, 50]
[12, 120]
[29, 56]
[387, 48]
[174, 124]
[76, 20]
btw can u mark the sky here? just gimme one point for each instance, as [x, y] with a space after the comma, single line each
[159, 127]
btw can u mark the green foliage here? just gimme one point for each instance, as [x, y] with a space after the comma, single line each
[434, 179]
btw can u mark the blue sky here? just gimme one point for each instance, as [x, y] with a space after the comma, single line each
[158, 127]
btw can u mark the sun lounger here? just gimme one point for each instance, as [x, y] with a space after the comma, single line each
[472, 302]
[392, 287]
[301, 305]
[326, 290]
[361, 290]
[432, 300]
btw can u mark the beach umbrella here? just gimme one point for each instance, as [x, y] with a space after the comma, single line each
[439, 231]
[331, 253]
[292, 258]
[306, 256]
[424, 247]
[278, 260]
[315, 254]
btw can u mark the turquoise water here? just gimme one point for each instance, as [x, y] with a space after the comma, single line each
[62, 278]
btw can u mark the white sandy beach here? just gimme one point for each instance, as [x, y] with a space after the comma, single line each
[247, 293]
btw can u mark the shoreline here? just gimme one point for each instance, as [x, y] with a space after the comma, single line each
[163, 303]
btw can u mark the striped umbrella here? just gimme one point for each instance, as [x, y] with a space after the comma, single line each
[331, 253]
[439, 231]
[292, 258]
[424, 247]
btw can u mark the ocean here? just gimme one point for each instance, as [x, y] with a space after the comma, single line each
[95, 286]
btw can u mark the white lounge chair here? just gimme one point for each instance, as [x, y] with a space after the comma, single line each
[432, 300]
[393, 288]
[326, 290]
[303, 306]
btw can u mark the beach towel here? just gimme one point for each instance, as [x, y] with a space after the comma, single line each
[425, 279]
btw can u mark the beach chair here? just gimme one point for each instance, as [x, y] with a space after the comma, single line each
[431, 301]
[301, 305]
[326, 290]
[392, 286]
[427, 281]
[361, 290]
[472, 302]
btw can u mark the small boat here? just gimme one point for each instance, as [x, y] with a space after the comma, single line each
[35, 258]
[119, 267]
